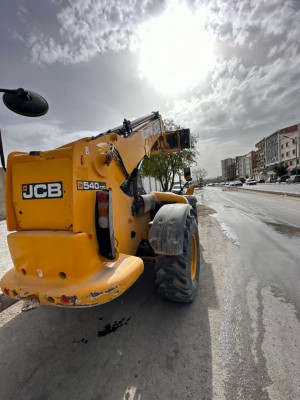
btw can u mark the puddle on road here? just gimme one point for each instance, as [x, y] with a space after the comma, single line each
[287, 230]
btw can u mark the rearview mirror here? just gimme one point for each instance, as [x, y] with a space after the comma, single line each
[25, 102]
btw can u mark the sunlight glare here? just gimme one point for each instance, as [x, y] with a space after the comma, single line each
[176, 52]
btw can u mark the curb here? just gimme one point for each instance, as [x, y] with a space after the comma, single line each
[291, 194]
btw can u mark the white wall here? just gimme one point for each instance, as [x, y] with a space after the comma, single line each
[151, 185]
[2, 198]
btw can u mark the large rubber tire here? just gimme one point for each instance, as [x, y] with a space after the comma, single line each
[194, 213]
[193, 201]
[177, 277]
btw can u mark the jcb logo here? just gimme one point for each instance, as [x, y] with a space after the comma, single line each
[46, 190]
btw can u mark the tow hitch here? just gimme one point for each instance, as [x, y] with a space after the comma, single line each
[31, 304]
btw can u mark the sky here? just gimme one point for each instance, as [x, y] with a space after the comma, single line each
[228, 70]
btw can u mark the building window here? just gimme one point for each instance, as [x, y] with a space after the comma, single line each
[287, 144]
[282, 155]
[294, 151]
[282, 146]
[291, 162]
[287, 153]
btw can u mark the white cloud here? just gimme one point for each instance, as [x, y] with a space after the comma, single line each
[28, 136]
[244, 97]
[246, 20]
[22, 12]
[88, 28]
[256, 77]
[18, 37]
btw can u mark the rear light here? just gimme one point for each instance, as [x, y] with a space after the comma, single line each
[102, 197]
[104, 224]
[103, 209]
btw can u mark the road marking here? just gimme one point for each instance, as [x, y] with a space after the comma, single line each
[10, 313]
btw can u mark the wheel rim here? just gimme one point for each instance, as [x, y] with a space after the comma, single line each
[194, 257]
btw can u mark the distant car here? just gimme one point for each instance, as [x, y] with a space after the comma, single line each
[176, 189]
[283, 178]
[235, 183]
[293, 179]
[271, 180]
[251, 181]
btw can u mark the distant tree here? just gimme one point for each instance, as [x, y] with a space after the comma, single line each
[293, 171]
[198, 174]
[164, 167]
[280, 169]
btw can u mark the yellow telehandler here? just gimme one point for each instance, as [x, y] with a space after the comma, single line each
[82, 224]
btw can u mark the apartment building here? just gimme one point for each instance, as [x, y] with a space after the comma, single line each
[282, 146]
[259, 172]
[272, 154]
[228, 169]
[250, 163]
[289, 146]
[240, 162]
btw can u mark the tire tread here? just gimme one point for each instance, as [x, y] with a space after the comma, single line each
[173, 275]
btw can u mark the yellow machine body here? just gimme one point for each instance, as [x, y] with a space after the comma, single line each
[50, 208]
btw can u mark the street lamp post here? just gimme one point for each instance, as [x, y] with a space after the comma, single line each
[296, 143]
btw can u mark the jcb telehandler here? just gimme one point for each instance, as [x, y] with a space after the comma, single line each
[82, 223]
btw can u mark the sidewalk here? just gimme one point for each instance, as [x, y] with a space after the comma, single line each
[5, 265]
[5, 260]
[283, 189]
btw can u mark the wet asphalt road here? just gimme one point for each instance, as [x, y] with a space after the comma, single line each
[238, 340]
[268, 232]
[260, 334]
